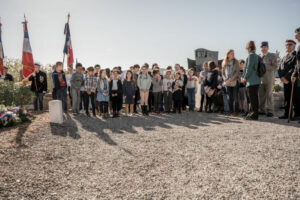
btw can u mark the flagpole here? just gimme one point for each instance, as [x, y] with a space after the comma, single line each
[64, 52]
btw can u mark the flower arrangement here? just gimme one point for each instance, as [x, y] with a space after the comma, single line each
[277, 88]
[10, 116]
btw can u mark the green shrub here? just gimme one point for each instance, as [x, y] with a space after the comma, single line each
[14, 94]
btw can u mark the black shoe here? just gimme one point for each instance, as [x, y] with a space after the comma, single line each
[88, 114]
[283, 117]
[252, 117]
[270, 115]
[261, 113]
[245, 114]
[200, 110]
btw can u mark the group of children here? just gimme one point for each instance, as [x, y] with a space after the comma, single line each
[106, 91]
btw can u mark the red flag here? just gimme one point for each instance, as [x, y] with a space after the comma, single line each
[27, 58]
[1, 53]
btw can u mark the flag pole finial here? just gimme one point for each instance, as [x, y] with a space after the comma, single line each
[25, 21]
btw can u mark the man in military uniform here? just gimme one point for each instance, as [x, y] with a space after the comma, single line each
[296, 77]
[266, 103]
[285, 72]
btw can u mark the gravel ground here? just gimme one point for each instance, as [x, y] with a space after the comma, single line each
[188, 156]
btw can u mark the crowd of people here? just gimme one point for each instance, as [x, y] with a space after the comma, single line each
[233, 87]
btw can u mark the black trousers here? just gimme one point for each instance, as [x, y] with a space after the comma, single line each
[137, 97]
[116, 102]
[177, 105]
[296, 99]
[209, 101]
[103, 106]
[81, 100]
[253, 97]
[157, 101]
[202, 100]
[38, 100]
[87, 97]
[150, 101]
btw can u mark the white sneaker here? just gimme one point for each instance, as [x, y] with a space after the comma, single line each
[81, 111]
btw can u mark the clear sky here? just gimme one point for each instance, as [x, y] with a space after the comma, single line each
[125, 32]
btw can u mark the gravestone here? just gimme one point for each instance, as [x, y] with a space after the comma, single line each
[204, 55]
[55, 112]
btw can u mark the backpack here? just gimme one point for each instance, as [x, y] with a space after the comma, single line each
[261, 68]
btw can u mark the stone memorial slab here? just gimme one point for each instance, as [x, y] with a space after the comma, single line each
[56, 112]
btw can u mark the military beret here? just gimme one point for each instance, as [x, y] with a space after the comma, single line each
[264, 44]
[290, 41]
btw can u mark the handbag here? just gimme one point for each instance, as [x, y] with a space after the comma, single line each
[210, 92]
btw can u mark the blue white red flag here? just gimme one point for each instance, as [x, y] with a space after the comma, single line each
[27, 58]
[68, 50]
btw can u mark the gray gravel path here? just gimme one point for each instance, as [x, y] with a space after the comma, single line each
[188, 156]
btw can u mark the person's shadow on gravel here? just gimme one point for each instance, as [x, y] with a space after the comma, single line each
[68, 128]
[95, 125]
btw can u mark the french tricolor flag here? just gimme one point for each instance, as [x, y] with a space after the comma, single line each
[27, 58]
[1, 53]
[68, 50]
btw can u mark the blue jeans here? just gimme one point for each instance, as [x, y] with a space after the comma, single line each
[61, 94]
[232, 93]
[191, 98]
[38, 99]
[225, 100]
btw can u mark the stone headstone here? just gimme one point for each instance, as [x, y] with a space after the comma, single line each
[204, 55]
[56, 112]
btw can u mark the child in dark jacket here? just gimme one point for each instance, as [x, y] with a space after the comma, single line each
[177, 93]
[211, 81]
[116, 93]
[129, 89]
[156, 90]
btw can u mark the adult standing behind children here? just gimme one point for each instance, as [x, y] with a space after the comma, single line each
[76, 83]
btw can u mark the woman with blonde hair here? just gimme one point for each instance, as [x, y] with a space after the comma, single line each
[231, 74]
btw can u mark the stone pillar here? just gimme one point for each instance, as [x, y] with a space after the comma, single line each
[55, 111]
